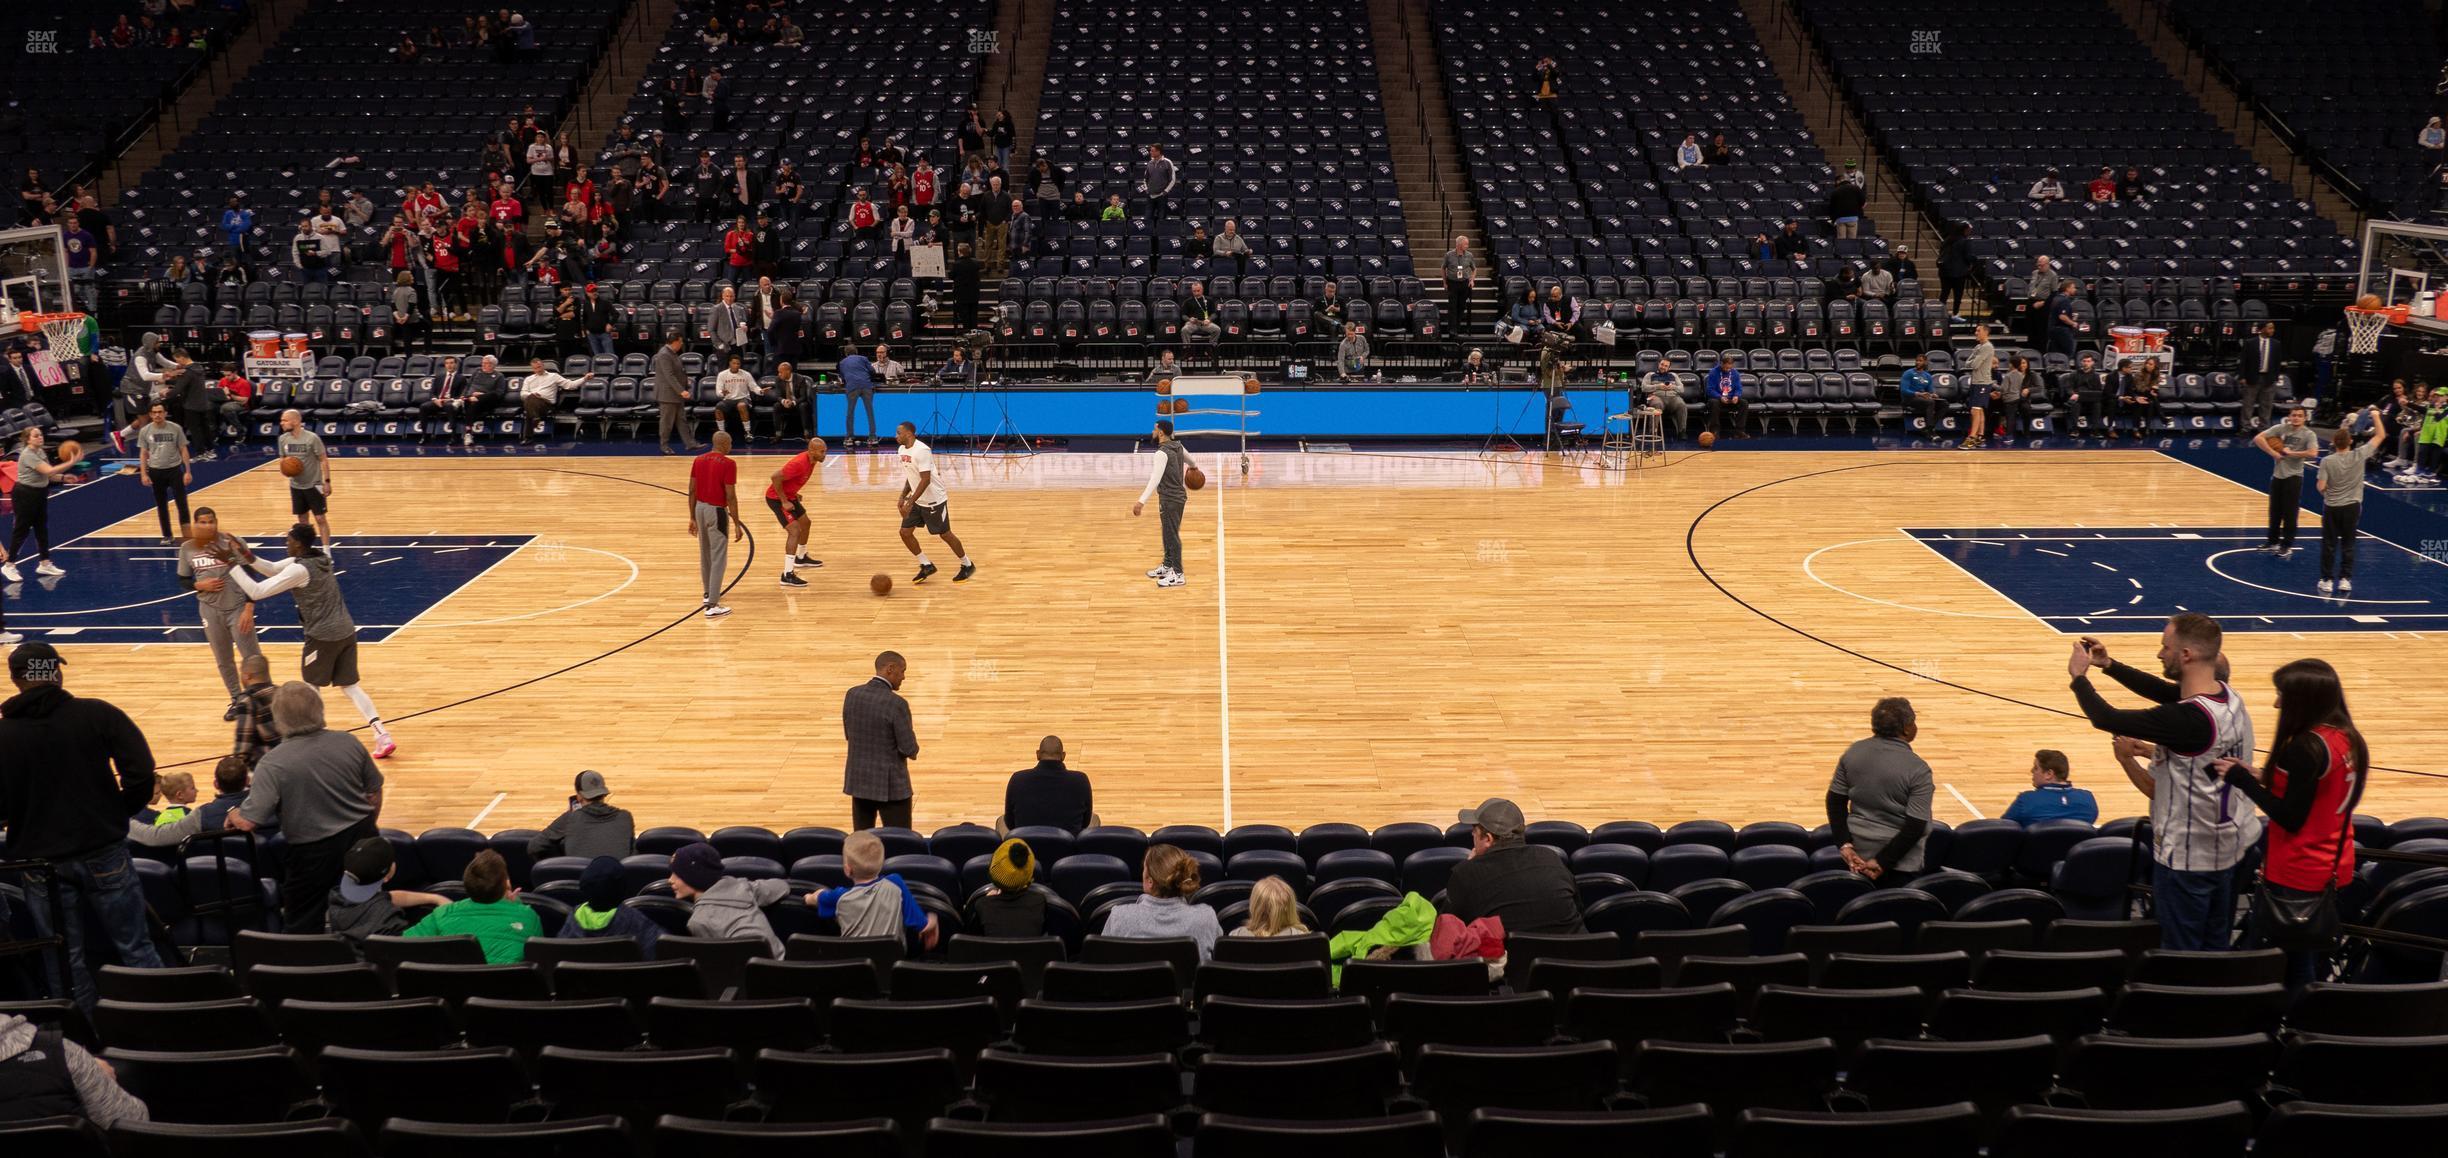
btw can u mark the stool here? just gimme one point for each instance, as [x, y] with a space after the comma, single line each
[1642, 438]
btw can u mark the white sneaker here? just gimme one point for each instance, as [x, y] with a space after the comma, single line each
[47, 567]
[1171, 579]
[1158, 571]
[2345, 584]
[2325, 586]
[715, 609]
[9, 571]
[467, 438]
[9, 638]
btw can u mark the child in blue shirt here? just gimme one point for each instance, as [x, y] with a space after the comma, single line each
[875, 903]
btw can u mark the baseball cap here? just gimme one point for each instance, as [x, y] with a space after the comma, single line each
[599, 885]
[590, 287]
[365, 865]
[591, 785]
[1500, 817]
[698, 866]
[36, 663]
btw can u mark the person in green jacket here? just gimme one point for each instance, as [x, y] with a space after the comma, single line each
[2431, 446]
[500, 924]
[1403, 926]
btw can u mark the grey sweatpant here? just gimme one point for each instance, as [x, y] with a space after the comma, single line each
[1171, 509]
[221, 632]
[713, 548]
[670, 417]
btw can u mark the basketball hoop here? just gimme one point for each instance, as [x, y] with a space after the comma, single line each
[63, 334]
[2364, 327]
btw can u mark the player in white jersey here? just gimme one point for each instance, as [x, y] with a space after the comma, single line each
[925, 503]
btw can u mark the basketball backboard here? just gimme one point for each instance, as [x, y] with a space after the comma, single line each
[34, 270]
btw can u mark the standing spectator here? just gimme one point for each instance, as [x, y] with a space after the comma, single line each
[2198, 830]
[1159, 178]
[724, 907]
[2315, 776]
[1050, 794]
[1725, 398]
[1047, 187]
[727, 324]
[972, 139]
[964, 273]
[2289, 444]
[236, 222]
[739, 187]
[72, 771]
[600, 321]
[671, 394]
[858, 385]
[541, 157]
[1022, 229]
[43, 1074]
[1980, 382]
[2013, 397]
[881, 742]
[739, 251]
[588, 828]
[705, 188]
[1167, 877]
[500, 923]
[786, 333]
[1461, 273]
[1920, 395]
[2053, 795]
[1879, 800]
[789, 192]
[32, 195]
[2043, 284]
[600, 912]
[714, 518]
[1845, 203]
[1526, 886]
[2260, 366]
[718, 99]
[1955, 268]
[866, 221]
[2064, 322]
[2341, 485]
[323, 790]
[994, 222]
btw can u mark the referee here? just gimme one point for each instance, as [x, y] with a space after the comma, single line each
[714, 517]
[2289, 444]
[1172, 498]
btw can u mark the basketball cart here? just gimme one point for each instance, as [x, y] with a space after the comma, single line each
[272, 354]
[1173, 400]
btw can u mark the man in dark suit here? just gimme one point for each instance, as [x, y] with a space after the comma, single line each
[2260, 375]
[881, 743]
[18, 385]
[450, 398]
[1049, 794]
[671, 395]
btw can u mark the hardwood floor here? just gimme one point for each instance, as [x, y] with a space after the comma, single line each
[1364, 637]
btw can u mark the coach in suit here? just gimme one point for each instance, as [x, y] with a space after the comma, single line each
[2260, 365]
[881, 743]
[671, 394]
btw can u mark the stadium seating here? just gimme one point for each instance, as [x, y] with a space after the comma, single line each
[72, 95]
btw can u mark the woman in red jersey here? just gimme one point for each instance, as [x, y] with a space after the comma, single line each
[2308, 790]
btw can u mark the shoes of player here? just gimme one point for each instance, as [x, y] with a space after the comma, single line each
[2345, 584]
[384, 748]
[9, 638]
[962, 575]
[2285, 553]
[714, 610]
[9, 571]
[2325, 586]
[118, 442]
[1158, 571]
[208, 456]
[2266, 549]
[804, 561]
[790, 580]
[47, 567]
[169, 542]
[467, 437]
[1171, 579]
[924, 570]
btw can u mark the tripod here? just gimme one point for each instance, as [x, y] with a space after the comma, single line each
[1007, 432]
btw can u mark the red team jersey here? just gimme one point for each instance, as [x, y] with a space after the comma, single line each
[709, 475]
[795, 475]
[922, 187]
[2302, 860]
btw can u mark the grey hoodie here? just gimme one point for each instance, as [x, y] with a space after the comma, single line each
[732, 908]
[104, 1102]
[590, 830]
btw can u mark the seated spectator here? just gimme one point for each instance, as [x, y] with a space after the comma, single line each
[1688, 154]
[1523, 314]
[2433, 139]
[1198, 317]
[1327, 312]
[2104, 186]
[1901, 265]
[1844, 286]
[600, 912]
[360, 907]
[1719, 152]
[1169, 876]
[2047, 188]
[1231, 244]
[875, 903]
[1272, 912]
[45, 1075]
[590, 828]
[491, 913]
[1790, 245]
[2053, 796]
[1475, 369]
[1661, 390]
[1113, 209]
[1920, 394]
[1009, 907]
[725, 906]
[1560, 311]
[1198, 244]
[1878, 804]
[229, 788]
[175, 791]
[1049, 794]
[2130, 187]
[1877, 284]
[1528, 887]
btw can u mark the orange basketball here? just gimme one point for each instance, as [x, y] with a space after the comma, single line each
[70, 451]
[1708, 438]
[880, 583]
[1249, 385]
[2368, 302]
[1194, 478]
[292, 466]
[1164, 386]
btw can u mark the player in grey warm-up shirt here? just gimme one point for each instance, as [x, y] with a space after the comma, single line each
[309, 489]
[1172, 498]
[2341, 484]
[162, 465]
[328, 656]
[205, 559]
[2291, 443]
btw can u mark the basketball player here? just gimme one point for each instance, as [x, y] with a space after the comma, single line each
[1172, 497]
[2289, 444]
[925, 503]
[714, 517]
[309, 489]
[205, 559]
[329, 654]
[2199, 825]
[782, 498]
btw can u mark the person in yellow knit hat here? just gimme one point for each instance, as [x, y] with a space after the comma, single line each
[1010, 907]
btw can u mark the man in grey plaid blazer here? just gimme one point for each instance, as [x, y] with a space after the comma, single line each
[876, 725]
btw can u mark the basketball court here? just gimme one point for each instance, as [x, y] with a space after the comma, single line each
[1371, 637]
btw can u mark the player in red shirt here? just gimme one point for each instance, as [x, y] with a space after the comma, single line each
[714, 517]
[782, 498]
[740, 246]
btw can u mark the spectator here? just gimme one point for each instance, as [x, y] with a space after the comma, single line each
[1878, 805]
[1168, 876]
[1475, 369]
[964, 272]
[1980, 381]
[589, 828]
[1956, 264]
[540, 392]
[1559, 311]
[360, 907]
[1272, 912]
[2434, 141]
[1327, 313]
[875, 903]
[324, 792]
[734, 393]
[880, 743]
[1845, 203]
[2103, 187]
[1003, 133]
[1198, 317]
[1522, 315]
[500, 923]
[2340, 476]
[2314, 778]
[1725, 398]
[1159, 177]
[601, 914]
[1920, 394]
[2083, 391]
[229, 790]
[1688, 154]
[175, 791]
[1660, 390]
[600, 321]
[1113, 209]
[2063, 320]
[1901, 264]
[2047, 188]
[1461, 274]
[1790, 245]
[1877, 284]
[1164, 368]
[72, 771]
[1526, 886]
[163, 466]
[43, 1075]
[540, 158]
[2258, 361]
[1022, 229]
[2013, 397]
[2053, 795]
[1049, 794]
[1845, 286]
[725, 906]
[305, 254]
[1720, 153]
[2196, 722]
[2138, 395]
[1009, 907]
[858, 384]
[1547, 81]
[1352, 355]
[2130, 186]
[1231, 244]
[903, 230]
[993, 207]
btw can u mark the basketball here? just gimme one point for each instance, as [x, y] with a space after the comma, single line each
[1164, 386]
[70, 451]
[1708, 438]
[292, 466]
[1249, 385]
[2368, 302]
[1194, 478]
[880, 583]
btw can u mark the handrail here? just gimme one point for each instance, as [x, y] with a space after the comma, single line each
[58, 938]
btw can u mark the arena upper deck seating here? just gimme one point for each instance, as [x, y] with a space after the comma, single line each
[66, 103]
[1975, 101]
[2355, 81]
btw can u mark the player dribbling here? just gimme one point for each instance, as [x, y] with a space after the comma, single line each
[925, 503]
[782, 498]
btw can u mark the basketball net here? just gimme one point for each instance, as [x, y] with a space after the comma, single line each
[2363, 329]
[63, 334]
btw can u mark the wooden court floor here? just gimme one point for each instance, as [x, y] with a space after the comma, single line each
[1364, 637]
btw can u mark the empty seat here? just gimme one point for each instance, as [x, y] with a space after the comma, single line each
[234, 1085]
[1023, 1088]
[2052, 1132]
[1992, 1015]
[1948, 1131]
[1665, 1132]
[1143, 1137]
[908, 1086]
[2149, 1073]
[1846, 1016]
[1101, 1029]
[1318, 1086]
[1785, 1075]
[1415, 1135]
[1904, 1074]
[368, 1086]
